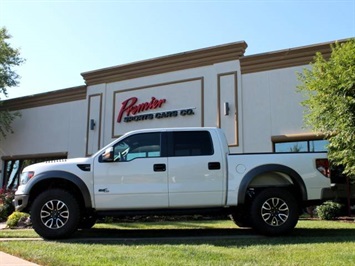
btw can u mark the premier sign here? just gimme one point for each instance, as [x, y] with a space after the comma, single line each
[130, 110]
[129, 107]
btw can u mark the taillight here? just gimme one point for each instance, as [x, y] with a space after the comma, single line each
[322, 166]
[25, 176]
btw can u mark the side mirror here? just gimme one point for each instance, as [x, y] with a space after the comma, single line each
[107, 156]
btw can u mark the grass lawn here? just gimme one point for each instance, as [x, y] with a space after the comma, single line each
[218, 243]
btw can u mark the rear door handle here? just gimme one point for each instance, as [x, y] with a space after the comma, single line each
[214, 165]
[159, 167]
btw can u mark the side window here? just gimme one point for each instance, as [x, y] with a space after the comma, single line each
[192, 143]
[138, 146]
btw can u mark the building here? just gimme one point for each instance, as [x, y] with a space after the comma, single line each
[253, 98]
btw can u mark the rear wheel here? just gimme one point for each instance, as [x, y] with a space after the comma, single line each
[274, 212]
[55, 214]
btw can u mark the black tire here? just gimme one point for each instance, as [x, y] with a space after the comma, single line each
[55, 214]
[274, 212]
[241, 217]
[87, 221]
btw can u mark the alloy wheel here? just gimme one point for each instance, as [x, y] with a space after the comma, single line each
[54, 214]
[275, 211]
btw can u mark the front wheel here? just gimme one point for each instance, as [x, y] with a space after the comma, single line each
[87, 221]
[241, 217]
[55, 214]
[274, 212]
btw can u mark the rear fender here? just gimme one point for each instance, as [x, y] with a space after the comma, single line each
[278, 175]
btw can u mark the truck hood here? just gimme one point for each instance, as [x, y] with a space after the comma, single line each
[78, 167]
[57, 164]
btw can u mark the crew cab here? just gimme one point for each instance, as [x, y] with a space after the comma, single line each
[173, 171]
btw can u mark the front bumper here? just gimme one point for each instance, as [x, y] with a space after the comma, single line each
[21, 202]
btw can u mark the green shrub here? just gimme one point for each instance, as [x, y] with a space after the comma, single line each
[329, 210]
[14, 219]
[108, 220]
[6, 206]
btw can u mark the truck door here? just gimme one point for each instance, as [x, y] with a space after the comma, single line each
[195, 170]
[136, 176]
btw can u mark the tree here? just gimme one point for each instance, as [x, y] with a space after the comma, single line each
[9, 58]
[329, 87]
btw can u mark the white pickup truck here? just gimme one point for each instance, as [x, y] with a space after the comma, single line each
[172, 172]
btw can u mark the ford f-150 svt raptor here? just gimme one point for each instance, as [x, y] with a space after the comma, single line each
[173, 171]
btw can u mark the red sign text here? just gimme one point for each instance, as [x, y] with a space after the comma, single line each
[130, 107]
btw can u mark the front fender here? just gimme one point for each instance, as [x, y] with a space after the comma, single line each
[46, 176]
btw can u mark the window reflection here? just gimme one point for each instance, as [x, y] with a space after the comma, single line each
[301, 146]
[138, 146]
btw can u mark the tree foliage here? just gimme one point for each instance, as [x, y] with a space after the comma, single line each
[9, 58]
[329, 87]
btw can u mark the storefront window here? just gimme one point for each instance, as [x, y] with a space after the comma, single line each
[301, 146]
[318, 145]
[13, 168]
[294, 146]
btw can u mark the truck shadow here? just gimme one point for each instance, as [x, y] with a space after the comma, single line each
[161, 233]
[218, 237]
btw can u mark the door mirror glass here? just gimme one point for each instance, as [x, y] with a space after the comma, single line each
[107, 156]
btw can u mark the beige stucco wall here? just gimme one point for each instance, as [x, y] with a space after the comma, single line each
[260, 90]
[197, 88]
[271, 107]
[262, 105]
[48, 129]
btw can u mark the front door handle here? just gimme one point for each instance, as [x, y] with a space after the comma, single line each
[159, 167]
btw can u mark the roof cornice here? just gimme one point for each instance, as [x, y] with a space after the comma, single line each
[191, 59]
[43, 99]
[285, 58]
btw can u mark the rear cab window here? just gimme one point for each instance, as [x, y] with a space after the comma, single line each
[190, 143]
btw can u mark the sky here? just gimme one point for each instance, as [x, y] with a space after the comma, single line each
[60, 39]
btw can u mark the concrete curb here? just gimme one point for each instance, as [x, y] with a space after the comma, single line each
[20, 239]
[8, 260]
[2, 225]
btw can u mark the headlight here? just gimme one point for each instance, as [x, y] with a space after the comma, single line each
[25, 176]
